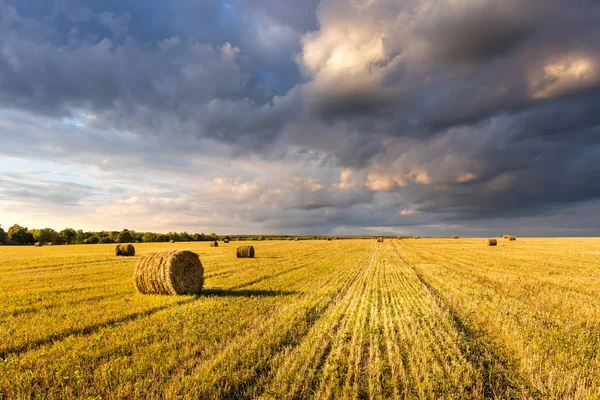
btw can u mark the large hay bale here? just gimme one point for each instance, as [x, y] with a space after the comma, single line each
[492, 242]
[379, 240]
[214, 244]
[125, 250]
[512, 238]
[245, 252]
[37, 244]
[169, 272]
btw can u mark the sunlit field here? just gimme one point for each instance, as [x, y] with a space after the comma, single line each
[427, 318]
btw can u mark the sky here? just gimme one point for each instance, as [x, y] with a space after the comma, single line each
[343, 117]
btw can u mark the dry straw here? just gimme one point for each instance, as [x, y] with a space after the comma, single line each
[214, 244]
[245, 252]
[492, 242]
[512, 238]
[169, 272]
[125, 250]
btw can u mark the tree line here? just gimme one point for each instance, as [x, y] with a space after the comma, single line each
[19, 235]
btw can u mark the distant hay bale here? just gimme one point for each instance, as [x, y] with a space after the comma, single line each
[415, 237]
[456, 237]
[171, 241]
[492, 242]
[125, 250]
[379, 240]
[38, 244]
[225, 240]
[399, 237]
[329, 239]
[169, 272]
[214, 244]
[245, 252]
[505, 236]
[512, 238]
[297, 239]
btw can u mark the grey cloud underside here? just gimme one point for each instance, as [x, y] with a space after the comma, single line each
[452, 94]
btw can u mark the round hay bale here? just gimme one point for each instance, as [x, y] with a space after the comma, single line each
[505, 236]
[492, 242]
[456, 237]
[297, 239]
[379, 240]
[415, 237]
[512, 238]
[399, 238]
[329, 239]
[169, 272]
[245, 252]
[125, 250]
[38, 244]
[225, 240]
[214, 244]
[171, 241]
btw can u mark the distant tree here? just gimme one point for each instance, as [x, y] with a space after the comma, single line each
[149, 237]
[125, 237]
[212, 237]
[69, 235]
[3, 236]
[92, 240]
[184, 237]
[106, 239]
[19, 234]
[80, 237]
[196, 237]
[46, 235]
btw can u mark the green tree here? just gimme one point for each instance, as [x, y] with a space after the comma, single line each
[3, 236]
[69, 235]
[184, 237]
[46, 235]
[92, 240]
[19, 234]
[149, 237]
[125, 237]
[80, 237]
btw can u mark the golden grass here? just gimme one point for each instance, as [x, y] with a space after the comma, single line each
[354, 319]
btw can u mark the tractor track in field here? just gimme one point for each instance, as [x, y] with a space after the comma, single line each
[499, 371]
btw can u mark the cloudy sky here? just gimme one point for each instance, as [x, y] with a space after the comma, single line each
[430, 117]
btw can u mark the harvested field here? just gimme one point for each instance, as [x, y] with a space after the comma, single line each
[429, 318]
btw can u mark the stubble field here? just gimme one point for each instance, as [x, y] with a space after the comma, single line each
[427, 318]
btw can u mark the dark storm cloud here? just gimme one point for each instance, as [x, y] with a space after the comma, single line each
[461, 110]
